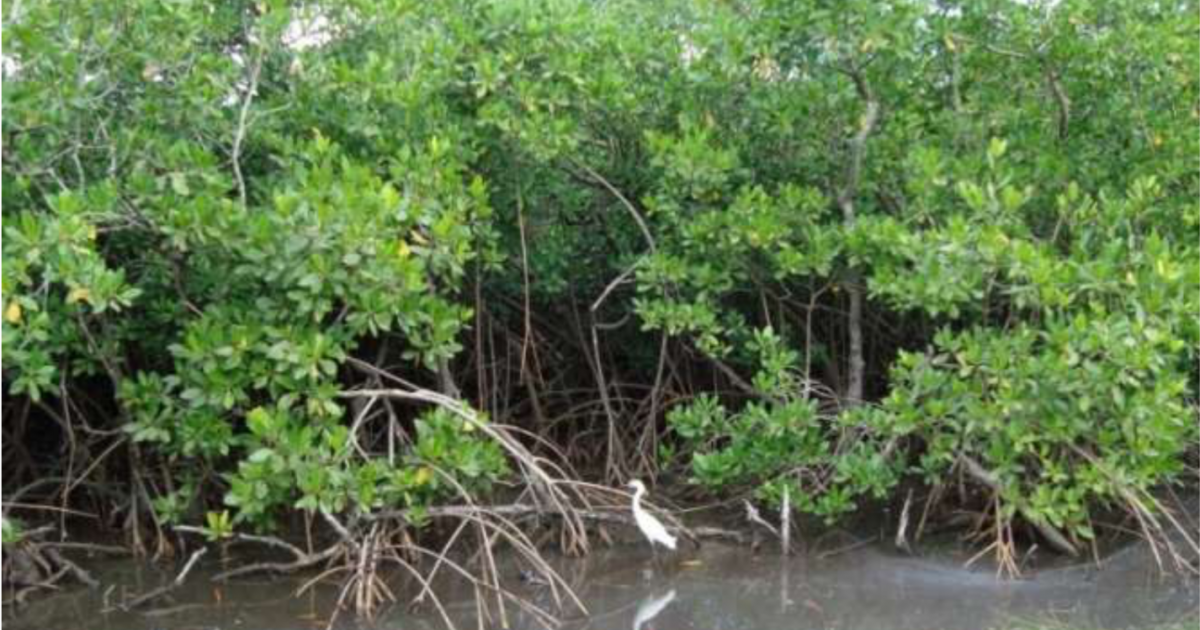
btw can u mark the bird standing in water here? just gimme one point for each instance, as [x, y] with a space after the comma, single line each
[651, 527]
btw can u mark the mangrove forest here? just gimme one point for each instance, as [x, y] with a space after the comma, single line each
[382, 293]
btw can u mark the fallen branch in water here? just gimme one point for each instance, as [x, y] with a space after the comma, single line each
[90, 548]
[303, 559]
[165, 588]
[32, 564]
[858, 544]
[70, 567]
[753, 516]
[720, 533]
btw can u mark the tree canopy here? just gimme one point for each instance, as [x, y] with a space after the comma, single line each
[814, 249]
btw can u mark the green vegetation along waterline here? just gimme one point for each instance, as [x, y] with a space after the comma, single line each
[408, 276]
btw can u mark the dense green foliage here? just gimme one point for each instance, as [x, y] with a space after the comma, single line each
[867, 241]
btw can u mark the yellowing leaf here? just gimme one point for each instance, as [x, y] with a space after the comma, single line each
[402, 250]
[12, 314]
[389, 196]
[1166, 269]
[79, 294]
[424, 475]
[91, 233]
[419, 238]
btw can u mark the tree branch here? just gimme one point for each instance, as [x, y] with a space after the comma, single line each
[1048, 531]
[168, 587]
[243, 119]
[637, 217]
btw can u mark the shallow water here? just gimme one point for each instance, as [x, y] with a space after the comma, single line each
[718, 587]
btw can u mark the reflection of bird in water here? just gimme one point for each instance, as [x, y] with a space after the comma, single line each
[653, 529]
[650, 607]
[530, 577]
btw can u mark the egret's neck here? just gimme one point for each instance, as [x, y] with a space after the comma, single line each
[637, 495]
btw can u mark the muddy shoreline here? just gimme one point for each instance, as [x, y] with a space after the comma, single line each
[833, 580]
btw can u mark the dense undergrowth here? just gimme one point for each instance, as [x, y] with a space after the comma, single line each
[371, 261]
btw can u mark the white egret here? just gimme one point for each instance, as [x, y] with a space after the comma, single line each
[653, 529]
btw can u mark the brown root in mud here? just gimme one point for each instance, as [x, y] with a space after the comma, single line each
[32, 565]
[366, 544]
[365, 547]
[1169, 528]
[1173, 538]
[545, 479]
[1172, 541]
[1003, 545]
[1048, 531]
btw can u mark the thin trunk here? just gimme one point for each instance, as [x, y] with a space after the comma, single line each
[858, 364]
[446, 380]
[854, 289]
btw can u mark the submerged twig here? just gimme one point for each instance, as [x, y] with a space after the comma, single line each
[753, 516]
[168, 587]
[302, 559]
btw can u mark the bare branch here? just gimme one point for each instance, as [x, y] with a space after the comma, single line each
[1048, 531]
[243, 120]
[637, 217]
[168, 587]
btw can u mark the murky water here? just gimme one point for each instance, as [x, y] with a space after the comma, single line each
[718, 587]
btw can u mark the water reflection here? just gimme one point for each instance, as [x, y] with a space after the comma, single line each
[650, 607]
[727, 588]
[717, 588]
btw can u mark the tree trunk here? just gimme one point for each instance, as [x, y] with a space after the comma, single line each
[858, 364]
[854, 285]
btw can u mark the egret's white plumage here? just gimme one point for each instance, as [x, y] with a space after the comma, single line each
[653, 529]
